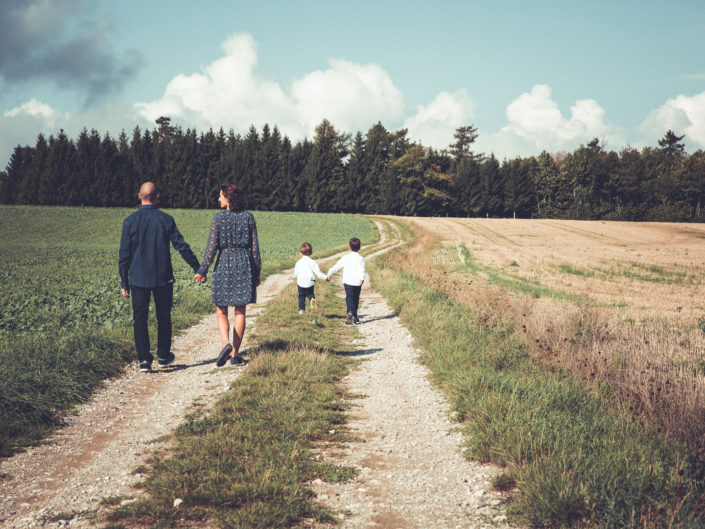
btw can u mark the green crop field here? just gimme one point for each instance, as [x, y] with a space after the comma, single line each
[64, 325]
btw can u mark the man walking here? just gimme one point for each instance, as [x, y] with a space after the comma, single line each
[145, 270]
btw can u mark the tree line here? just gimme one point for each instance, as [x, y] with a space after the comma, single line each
[379, 172]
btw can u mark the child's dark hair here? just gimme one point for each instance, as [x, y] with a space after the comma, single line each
[305, 248]
[237, 201]
[355, 244]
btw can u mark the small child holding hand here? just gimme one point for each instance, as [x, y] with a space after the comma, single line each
[353, 265]
[306, 271]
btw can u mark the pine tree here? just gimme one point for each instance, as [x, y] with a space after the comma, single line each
[300, 155]
[324, 172]
[123, 172]
[376, 157]
[518, 195]
[693, 184]
[20, 182]
[491, 188]
[464, 138]
[57, 180]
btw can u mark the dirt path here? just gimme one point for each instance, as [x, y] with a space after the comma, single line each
[411, 471]
[94, 456]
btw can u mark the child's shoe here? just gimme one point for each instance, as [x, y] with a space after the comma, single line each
[349, 318]
[301, 311]
[314, 305]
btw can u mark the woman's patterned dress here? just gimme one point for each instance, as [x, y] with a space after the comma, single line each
[237, 268]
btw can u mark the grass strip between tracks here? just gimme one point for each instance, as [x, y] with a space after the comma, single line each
[247, 463]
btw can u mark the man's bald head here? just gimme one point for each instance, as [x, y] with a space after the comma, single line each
[148, 193]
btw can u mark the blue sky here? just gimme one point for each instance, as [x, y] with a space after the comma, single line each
[531, 76]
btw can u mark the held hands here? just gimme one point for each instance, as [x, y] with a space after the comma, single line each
[327, 278]
[199, 278]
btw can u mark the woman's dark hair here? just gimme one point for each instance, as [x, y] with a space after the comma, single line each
[237, 201]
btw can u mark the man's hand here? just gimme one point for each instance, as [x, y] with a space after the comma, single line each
[125, 293]
[198, 278]
[327, 278]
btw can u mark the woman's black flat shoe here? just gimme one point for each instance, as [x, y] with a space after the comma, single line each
[223, 356]
[237, 360]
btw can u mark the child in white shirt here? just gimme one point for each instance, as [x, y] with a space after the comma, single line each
[353, 265]
[306, 271]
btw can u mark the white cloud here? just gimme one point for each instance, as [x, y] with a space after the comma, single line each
[435, 124]
[351, 96]
[536, 124]
[682, 115]
[22, 124]
[230, 94]
[35, 108]
[226, 94]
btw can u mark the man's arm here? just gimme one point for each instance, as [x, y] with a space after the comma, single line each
[181, 246]
[124, 257]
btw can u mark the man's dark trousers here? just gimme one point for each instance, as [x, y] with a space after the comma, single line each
[163, 300]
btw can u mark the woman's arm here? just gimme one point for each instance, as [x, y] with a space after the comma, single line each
[211, 248]
[256, 258]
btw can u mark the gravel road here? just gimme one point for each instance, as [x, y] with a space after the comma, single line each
[411, 471]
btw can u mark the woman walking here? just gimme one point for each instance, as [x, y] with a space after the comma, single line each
[236, 274]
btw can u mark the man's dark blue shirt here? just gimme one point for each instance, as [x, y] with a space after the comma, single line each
[145, 256]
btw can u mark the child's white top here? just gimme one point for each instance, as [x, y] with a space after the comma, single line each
[306, 271]
[353, 265]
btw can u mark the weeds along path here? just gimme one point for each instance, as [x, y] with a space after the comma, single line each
[411, 472]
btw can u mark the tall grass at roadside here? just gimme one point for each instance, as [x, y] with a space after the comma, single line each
[652, 369]
[247, 464]
[649, 367]
[64, 326]
[575, 460]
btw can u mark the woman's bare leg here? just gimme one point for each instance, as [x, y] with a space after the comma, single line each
[238, 328]
[221, 315]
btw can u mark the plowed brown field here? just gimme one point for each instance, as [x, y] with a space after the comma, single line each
[655, 267]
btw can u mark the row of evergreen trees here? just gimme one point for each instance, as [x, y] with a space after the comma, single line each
[379, 172]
